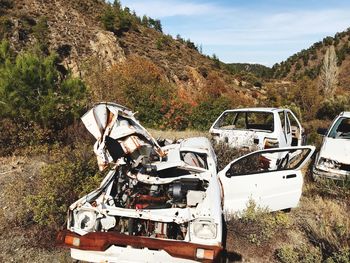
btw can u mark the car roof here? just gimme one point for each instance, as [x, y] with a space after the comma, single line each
[261, 109]
[345, 114]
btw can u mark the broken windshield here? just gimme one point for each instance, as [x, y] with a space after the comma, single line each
[341, 129]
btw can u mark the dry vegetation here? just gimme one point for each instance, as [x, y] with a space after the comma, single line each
[36, 189]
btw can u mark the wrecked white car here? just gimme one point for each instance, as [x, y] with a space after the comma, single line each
[260, 127]
[165, 204]
[333, 159]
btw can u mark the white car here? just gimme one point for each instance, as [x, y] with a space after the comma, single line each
[261, 127]
[166, 204]
[333, 159]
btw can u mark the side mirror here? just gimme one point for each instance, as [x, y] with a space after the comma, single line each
[229, 173]
[322, 131]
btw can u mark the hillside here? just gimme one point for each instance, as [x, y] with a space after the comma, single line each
[308, 62]
[75, 31]
[257, 70]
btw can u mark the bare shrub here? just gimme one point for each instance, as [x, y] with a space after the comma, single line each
[303, 253]
[226, 154]
[257, 225]
[14, 136]
[41, 208]
[326, 224]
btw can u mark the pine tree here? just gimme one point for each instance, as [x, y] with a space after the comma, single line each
[117, 6]
[145, 21]
[158, 25]
[108, 19]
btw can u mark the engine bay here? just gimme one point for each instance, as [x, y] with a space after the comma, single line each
[126, 192]
[147, 182]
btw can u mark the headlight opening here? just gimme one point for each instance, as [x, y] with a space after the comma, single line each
[205, 229]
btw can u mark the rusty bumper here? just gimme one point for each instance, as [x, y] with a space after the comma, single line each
[100, 241]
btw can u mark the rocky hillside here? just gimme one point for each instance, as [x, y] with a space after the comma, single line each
[308, 62]
[76, 32]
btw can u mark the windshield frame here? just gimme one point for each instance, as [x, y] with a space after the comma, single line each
[235, 116]
[333, 131]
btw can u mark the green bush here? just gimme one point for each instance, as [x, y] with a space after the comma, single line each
[150, 101]
[32, 90]
[15, 136]
[72, 174]
[342, 256]
[257, 225]
[207, 111]
[116, 19]
[163, 41]
[5, 4]
[41, 33]
[5, 26]
[108, 19]
[301, 253]
[330, 108]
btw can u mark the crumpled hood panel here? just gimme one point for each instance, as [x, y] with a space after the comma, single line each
[117, 134]
[336, 149]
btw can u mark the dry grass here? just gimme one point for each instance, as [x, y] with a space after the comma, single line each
[319, 230]
[176, 135]
[326, 223]
[16, 175]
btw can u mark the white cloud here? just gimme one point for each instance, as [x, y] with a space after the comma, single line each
[248, 32]
[249, 28]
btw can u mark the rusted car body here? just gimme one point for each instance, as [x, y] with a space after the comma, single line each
[166, 204]
[262, 128]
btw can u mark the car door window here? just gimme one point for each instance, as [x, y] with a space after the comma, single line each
[287, 124]
[268, 161]
[295, 129]
[282, 118]
[226, 121]
[283, 124]
[240, 121]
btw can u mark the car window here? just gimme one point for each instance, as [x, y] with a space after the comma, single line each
[268, 161]
[292, 120]
[195, 159]
[226, 121]
[288, 124]
[240, 121]
[260, 121]
[282, 118]
[247, 120]
[341, 129]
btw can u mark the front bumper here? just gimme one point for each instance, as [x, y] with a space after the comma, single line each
[331, 174]
[113, 246]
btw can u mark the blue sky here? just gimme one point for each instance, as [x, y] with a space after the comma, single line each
[253, 31]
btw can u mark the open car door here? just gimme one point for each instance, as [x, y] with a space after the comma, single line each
[271, 178]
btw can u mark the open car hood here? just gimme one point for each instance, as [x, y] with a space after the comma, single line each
[118, 134]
